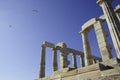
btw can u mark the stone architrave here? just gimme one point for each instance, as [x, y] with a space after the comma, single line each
[87, 50]
[102, 40]
[74, 61]
[55, 65]
[113, 23]
[42, 63]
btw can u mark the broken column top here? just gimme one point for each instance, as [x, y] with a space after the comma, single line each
[100, 1]
[62, 45]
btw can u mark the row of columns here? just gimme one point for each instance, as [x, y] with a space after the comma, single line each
[113, 21]
[74, 60]
[63, 60]
[103, 44]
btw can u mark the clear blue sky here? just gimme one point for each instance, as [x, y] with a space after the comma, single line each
[25, 24]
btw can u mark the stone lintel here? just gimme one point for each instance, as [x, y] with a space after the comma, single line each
[76, 52]
[48, 44]
[88, 25]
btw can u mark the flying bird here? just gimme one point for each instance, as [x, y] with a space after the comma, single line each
[36, 11]
[10, 26]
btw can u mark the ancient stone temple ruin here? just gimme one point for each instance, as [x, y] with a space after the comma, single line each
[92, 67]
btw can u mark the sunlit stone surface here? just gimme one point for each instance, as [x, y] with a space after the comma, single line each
[92, 67]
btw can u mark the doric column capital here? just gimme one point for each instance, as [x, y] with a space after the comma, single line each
[54, 49]
[81, 56]
[43, 46]
[84, 32]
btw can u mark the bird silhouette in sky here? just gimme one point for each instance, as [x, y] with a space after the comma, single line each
[10, 26]
[36, 11]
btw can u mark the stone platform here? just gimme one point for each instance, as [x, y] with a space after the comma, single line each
[92, 72]
[105, 67]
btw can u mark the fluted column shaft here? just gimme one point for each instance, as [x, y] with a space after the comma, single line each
[102, 40]
[63, 60]
[113, 23]
[117, 10]
[87, 50]
[118, 16]
[55, 65]
[74, 61]
[42, 63]
[81, 61]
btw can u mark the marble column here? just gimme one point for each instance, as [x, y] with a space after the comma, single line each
[81, 61]
[42, 63]
[113, 23]
[118, 16]
[102, 40]
[74, 62]
[63, 59]
[87, 50]
[117, 10]
[55, 65]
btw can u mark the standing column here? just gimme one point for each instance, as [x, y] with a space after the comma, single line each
[81, 61]
[55, 65]
[117, 10]
[63, 60]
[87, 50]
[113, 23]
[74, 61]
[102, 41]
[118, 16]
[42, 63]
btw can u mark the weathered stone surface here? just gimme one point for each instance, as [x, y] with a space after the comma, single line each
[92, 67]
[113, 23]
